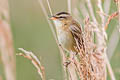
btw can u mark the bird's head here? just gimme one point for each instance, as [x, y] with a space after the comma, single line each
[61, 18]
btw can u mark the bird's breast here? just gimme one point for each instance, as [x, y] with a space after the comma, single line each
[65, 38]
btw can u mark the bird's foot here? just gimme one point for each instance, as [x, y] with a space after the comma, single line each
[66, 63]
[59, 44]
[76, 53]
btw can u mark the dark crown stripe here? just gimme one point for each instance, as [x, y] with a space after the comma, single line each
[62, 13]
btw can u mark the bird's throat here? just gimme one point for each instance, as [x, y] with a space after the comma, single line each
[57, 23]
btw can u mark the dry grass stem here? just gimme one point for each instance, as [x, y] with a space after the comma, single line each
[4, 9]
[101, 10]
[49, 7]
[69, 6]
[119, 13]
[102, 13]
[110, 18]
[72, 72]
[112, 76]
[91, 11]
[83, 9]
[107, 4]
[35, 61]
[113, 42]
[46, 16]
[76, 15]
[6, 50]
[6, 43]
[114, 36]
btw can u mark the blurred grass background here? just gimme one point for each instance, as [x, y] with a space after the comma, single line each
[31, 32]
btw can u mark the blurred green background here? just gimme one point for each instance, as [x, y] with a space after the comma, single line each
[31, 32]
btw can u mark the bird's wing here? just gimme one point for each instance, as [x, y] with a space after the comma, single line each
[77, 34]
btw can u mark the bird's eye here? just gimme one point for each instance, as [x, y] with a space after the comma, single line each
[65, 24]
[61, 17]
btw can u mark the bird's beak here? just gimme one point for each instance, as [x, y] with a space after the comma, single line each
[53, 18]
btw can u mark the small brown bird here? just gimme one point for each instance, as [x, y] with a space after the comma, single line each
[68, 31]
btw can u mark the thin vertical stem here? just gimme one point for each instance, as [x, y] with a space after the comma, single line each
[49, 7]
[113, 42]
[69, 6]
[101, 10]
[46, 16]
[107, 4]
[7, 51]
[119, 13]
[6, 43]
[91, 11]
[83, 9]
[110, 69]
